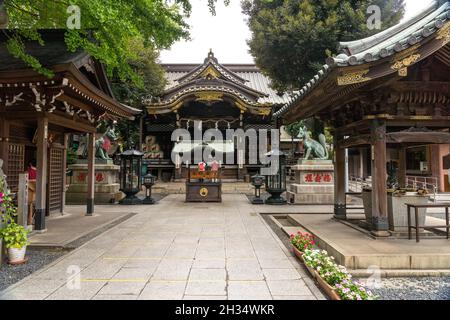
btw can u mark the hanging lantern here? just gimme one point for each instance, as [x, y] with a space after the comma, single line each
[130, 176]
[276, 182]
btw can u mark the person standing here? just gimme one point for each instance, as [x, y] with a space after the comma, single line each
[32, 176]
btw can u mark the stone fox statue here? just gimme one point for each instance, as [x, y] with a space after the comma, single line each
[314, 149]
[102, 145]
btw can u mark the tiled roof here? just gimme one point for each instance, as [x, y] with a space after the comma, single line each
[253, 76]
[382, 45]
[394, 39]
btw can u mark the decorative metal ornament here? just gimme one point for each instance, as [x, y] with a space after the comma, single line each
[209, 96]
[353, 78]
[203, 192]
[402, 65]
[444, 33]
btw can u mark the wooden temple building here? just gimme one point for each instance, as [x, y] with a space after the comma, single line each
[222, 96]
[38, 113]
[386, 97]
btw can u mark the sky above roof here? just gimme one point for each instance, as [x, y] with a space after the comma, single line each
[226, 33]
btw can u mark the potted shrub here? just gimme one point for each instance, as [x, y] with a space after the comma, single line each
[15, 239]
[301, 242]
[13, 236]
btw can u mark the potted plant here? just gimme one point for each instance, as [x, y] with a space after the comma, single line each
[301, 242]
[15, 238]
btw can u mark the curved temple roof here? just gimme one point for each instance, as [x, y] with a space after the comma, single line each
[243, 83]
[380, 46]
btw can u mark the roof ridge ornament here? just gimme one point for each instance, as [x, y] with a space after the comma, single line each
[211, 57]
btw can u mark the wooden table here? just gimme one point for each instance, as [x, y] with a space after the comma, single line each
[416, 208]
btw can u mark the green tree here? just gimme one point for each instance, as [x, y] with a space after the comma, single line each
[293, 129]
[145, 64]
[106, 27]
[292, 38]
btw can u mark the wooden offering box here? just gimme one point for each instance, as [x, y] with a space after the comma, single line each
[203, 186]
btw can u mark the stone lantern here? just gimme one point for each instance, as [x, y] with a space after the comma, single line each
[149, 181]
[258, 182]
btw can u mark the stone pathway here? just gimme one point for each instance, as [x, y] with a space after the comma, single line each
[177, 251]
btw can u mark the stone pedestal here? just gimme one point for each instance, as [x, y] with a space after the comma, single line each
[314, 183]
[106, 184]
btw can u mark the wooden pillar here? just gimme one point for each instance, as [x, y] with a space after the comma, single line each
[380, 224]
[41, 179]
[4, 142]
[64, 165]
[362, 156]
[402, 167]
[91, 174]
[437, 153]
[340, 201]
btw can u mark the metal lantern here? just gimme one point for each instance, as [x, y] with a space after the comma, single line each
[149, 181]
[130, 176]
[258, 182]
[276, 183]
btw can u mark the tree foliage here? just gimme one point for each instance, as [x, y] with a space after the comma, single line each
[293, 129]
[292, 38]
[145, 64]
[107, 27]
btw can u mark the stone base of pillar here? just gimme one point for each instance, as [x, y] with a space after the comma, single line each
[314, 183]
[380, 227]
[340, 211]
[381, 234]
[90, 207]
[106, 184]
[39, 220]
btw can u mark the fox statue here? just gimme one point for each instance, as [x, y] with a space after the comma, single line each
[315, 150]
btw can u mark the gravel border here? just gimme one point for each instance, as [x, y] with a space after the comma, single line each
[424, 288]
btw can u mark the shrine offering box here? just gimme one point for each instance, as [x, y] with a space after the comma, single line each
[203, 186]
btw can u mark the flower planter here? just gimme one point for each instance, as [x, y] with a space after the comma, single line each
[329, 291]
[299, 255]
[1, 252]
[16, 256]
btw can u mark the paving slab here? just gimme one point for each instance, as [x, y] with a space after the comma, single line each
[248, 290]
[175, 250]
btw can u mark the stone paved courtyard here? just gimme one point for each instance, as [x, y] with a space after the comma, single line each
[175, 250]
